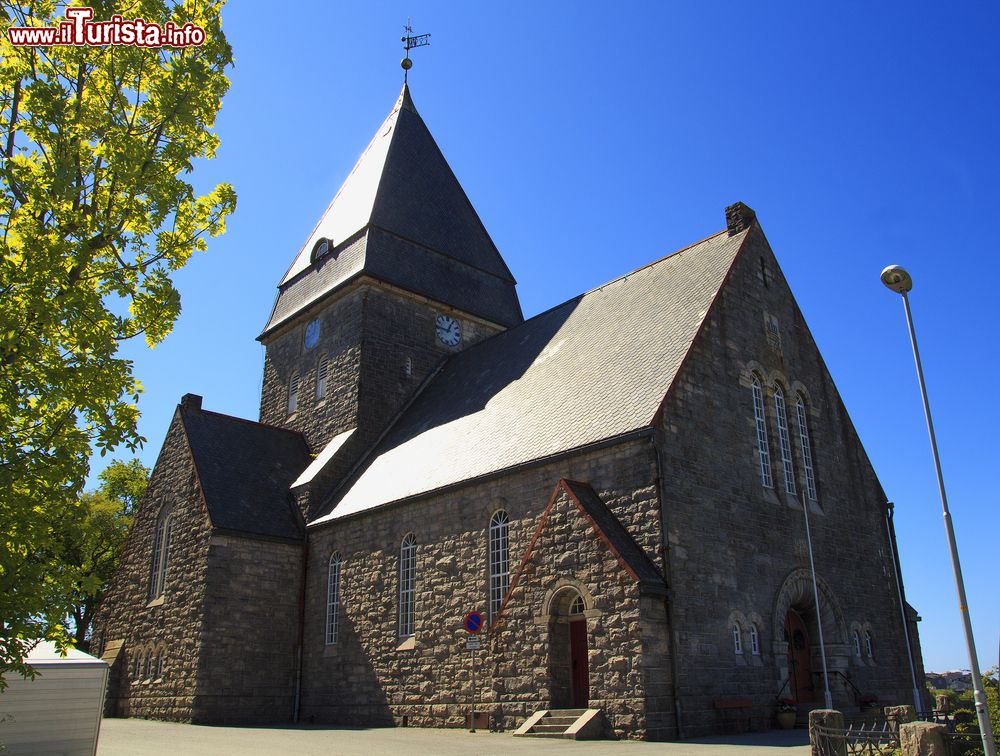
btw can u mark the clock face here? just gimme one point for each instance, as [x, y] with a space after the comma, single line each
[312, 334]
[449, 332]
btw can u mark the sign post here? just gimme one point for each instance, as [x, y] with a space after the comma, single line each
[473, 625]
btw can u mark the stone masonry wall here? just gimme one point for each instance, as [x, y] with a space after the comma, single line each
[285, 354]
[173, 622]
[733, 543]
[399, 328]
[382, 345]
[371, 677]
[247, 670]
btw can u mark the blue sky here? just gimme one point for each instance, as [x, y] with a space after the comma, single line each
[593, 138]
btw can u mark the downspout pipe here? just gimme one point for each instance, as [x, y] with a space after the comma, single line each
[890, 530]
[667, 574]
[297, 701]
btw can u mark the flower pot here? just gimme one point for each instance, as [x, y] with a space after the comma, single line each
[786, 719]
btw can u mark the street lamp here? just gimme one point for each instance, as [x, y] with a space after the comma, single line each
[898, 280]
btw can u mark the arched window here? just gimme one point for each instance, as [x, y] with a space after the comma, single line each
[161, 556]
[857, 643]
[137, 672]
[576, 608]
[754, 641]
[762, 449]
[147, 665]
[407, 584]
[159, 662]
[784, 443]
[293, 393]
[320, 249]
[322, 371]
[737, 638]
[332, 598]
[499, 561]
[807, 459]
[869, 645]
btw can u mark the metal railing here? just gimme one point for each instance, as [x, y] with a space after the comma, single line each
[856, 740]
[858, 695]
[881, 738]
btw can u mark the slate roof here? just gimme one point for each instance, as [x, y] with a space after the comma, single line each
[616, 536]
[402, 216]
[594, 368]
[245, 470]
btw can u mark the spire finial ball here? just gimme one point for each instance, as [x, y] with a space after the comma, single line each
[406, 63]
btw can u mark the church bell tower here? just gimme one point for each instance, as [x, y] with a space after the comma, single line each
[398, 275]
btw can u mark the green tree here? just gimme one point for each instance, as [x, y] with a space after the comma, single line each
[89, 553]
[125, 482]
[96, 215]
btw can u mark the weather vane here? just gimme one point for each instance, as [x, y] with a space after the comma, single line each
[411, 40]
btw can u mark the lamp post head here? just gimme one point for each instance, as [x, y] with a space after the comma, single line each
[897, 279]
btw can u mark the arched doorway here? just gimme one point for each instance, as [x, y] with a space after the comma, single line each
[568, 646]
[795, 604]
[800, 676]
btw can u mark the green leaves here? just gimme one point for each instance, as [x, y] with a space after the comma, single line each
[96, 214]
[89, 543]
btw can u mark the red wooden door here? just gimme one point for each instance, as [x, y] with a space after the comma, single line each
[799, 659]
[580, 667]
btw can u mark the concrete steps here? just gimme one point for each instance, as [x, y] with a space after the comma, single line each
[571, 724]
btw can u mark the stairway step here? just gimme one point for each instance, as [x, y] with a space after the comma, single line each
[565, 721]
[568, 712]
[539, 728]
[545, 735]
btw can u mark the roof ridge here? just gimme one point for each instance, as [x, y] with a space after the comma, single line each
[367, 453]
[655, 419]
[555, 307]
[438, 252]
[461, 187]
[379, 133]
[569, 486]
[657, 261]
[250, 422]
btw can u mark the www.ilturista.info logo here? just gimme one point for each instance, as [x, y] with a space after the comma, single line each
[78, 30]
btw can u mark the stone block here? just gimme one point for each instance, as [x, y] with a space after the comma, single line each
[825, 726]
[900, 715]
[923, 739]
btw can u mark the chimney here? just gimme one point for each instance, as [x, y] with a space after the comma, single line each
[739, 217]
[191, 403]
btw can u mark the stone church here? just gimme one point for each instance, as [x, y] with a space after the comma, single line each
[621, 485]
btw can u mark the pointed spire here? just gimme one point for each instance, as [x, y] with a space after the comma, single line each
[406, 220]
[405, 102]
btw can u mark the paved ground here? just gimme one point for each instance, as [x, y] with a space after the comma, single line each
[138, 737]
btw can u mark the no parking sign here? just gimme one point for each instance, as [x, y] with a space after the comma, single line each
[473, 622]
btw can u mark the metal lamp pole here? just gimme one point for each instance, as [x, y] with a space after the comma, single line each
[898, 280]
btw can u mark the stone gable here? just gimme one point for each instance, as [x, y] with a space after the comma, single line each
[173, 622]
[734, 545]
